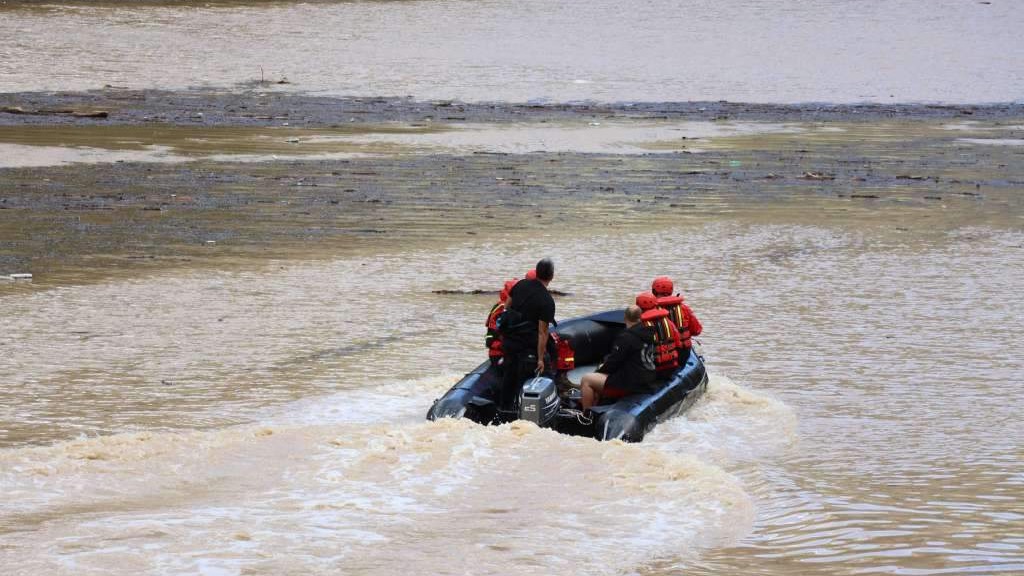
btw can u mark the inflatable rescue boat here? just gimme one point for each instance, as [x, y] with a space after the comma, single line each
[589, 339]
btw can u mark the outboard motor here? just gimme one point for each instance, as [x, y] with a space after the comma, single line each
[539, 401]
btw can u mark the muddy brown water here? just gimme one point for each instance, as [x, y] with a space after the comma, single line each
[739, 50]
[268, 418]
[223, 364]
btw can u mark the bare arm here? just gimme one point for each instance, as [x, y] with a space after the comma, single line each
[542, 343]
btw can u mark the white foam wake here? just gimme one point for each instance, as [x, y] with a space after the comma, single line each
[355, 497]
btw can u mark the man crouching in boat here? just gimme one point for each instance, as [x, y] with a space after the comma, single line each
[628, 369]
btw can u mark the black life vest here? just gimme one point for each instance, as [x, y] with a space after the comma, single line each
[666, 339]
[674, 306]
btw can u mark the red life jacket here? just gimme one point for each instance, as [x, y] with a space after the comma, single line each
[695, 327]
[677, 311]
[566, 355]
[666, 339]
[493, 338]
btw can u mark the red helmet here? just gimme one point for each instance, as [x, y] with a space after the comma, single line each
[646, 301]
[662, 286]
[531, 275]
[503, 296]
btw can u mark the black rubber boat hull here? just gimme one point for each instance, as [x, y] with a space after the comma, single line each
[628, 419]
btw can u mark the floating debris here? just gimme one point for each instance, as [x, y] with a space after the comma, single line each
[21, 277]
[494, 292]
[62, 111]
[817, 176]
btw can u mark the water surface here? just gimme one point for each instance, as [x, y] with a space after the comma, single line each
[863, 410]
[846, 429]
[492, 50]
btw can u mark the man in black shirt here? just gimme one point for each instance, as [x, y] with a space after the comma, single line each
[628, 369]
[531, 311]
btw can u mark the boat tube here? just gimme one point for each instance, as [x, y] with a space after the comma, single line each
[591, 337]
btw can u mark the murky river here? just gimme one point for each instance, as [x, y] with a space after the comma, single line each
[654, 50]
[863, 414]
[867, 381]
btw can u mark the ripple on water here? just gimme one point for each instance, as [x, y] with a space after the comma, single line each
[374, 498]
[739, 50]
[865, 437]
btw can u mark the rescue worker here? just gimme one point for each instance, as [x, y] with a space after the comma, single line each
[529, 313]
[682, 315]
[493, 338]
[667, 339]
[552, 348]
[628, 369]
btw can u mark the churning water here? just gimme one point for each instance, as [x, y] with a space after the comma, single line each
[861, 418]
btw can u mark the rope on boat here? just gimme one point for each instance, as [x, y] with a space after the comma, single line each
[578, 414]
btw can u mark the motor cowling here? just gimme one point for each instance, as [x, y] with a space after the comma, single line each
[539, 402]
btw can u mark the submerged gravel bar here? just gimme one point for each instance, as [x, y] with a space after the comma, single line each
[77, 222]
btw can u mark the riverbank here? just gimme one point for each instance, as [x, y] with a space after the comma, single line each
[264, 104]
[243, 178]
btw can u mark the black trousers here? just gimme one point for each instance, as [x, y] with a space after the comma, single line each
[518, 366]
